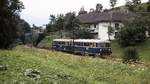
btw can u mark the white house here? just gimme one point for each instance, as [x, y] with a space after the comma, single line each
[98, 23]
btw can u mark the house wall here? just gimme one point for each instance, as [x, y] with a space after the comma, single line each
[103, 30]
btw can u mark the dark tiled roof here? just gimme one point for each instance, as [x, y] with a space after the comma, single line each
[104, 17]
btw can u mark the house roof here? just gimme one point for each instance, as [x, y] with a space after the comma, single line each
[104, 17]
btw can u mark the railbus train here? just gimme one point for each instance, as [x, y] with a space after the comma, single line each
[83, 46]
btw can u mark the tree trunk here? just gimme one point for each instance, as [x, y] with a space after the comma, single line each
[109, 33]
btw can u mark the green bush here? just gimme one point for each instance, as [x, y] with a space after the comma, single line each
[133, 33]
[46, 42]
[130, 55]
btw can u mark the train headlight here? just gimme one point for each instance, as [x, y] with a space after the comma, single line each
[100, 50]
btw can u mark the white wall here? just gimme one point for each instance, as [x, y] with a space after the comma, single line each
[103, 30]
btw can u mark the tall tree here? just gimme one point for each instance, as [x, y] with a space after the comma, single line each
[129, 5]
[52, 19]
[72, 24]
[51, 26]
[113, 3]
[60, 24]
[133, 32]
[82, 11]
[99, 7]
[68, 24]
[148, 6]
[23, 28]
[9, 14]
[133, 5]
[136, 2]
[110, 28]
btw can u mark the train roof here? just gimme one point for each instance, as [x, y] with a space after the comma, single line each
[62, 40]
[82, 40]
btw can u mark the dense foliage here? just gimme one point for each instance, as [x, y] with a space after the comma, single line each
[23, 29]
[55, 24]
[68, 26]
[133, 5]
[143, 50]
[9, 14]
[132, 33]
[113, 3]
[84, 34]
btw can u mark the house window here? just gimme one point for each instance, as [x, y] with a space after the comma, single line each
[117, 26]
[94, 25]
[89, 26]
[116, 34]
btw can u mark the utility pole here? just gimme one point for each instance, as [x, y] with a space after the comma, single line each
[73, 40]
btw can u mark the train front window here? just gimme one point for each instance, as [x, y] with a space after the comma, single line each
[76, 43]
[56, 43]
[66, 43]
[100, 45]
[81, 44]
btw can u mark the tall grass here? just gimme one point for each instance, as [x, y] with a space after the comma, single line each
[61, 68]
[143, 50]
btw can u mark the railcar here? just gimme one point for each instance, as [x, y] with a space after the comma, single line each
[83, 46]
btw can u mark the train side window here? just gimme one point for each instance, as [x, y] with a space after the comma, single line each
[102, 44]
[86, 44]
[59, 43]
[80, 44]
[91, 44]
[75, 43]
[96, 44]
[66, 43]
[63, 43]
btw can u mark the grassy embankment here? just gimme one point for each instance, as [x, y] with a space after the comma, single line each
[143, 49]
[61, 68]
